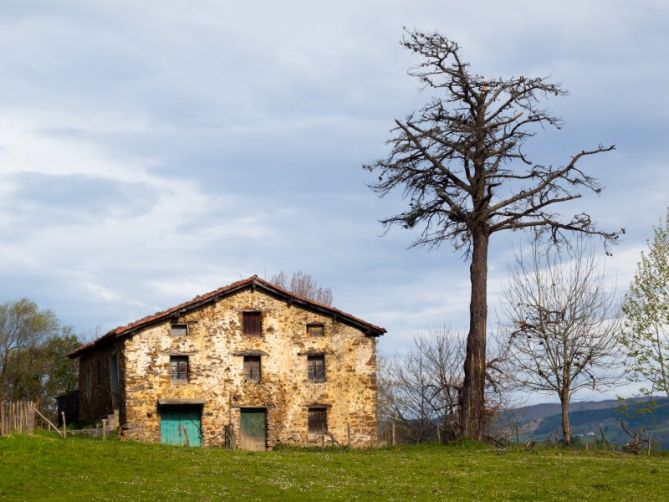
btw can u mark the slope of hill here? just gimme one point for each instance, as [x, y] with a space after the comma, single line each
[542, 421]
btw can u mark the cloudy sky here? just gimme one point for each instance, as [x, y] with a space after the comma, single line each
[155, 150]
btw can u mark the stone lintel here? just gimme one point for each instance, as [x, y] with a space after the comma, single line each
[250, 353]
[194, 400]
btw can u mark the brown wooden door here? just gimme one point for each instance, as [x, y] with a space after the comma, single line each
[253, 429]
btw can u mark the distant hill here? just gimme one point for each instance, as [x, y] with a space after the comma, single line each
[541, 421]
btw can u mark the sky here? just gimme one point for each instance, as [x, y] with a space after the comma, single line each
[152, 151]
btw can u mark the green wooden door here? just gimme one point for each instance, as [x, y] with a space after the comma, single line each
[253, 429]
[181, 425]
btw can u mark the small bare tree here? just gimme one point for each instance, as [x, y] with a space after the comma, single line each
[561, 324]
[303, 284]
[444, 353]
[411, 388]
[423, 387]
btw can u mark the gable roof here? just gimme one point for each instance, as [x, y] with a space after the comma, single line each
[199, 301]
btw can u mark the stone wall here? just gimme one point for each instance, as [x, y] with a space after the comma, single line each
[214, 345]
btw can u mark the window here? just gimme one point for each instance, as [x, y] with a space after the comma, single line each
[315, 329]
[179, 368]
[179, 329]
[318, 420]
[316, 368]
[252, 372]
[252, 323]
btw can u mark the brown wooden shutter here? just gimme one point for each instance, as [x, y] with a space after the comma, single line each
[315, 329]
[316, 368]
[179, 368]
[318, 420]
[252, 368]
[252, 323]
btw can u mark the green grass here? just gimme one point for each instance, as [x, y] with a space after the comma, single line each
[47, 468]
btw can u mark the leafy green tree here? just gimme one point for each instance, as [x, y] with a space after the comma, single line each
[33, 353]
[60, 374]
[646, 307]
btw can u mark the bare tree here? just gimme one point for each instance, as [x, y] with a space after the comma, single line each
[562, 325]
[411, 389]
[423, 386]
[459, 161]
[304, 285]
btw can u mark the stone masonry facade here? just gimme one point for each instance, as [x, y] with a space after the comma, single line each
[215, 346]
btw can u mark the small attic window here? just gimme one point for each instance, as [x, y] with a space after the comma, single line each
[316, 329]
[179, 329]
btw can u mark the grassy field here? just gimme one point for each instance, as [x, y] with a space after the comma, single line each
[46, 468]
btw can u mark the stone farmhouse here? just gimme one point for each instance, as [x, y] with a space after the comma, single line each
[249, 365]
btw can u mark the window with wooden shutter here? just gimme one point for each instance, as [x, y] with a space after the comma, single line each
[252, 323]
[316, 368]
[252, 371]
[318, 420]
[179, 368]
[315, 329]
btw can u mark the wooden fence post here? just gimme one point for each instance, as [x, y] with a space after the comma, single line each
[393, 437]
[62, 414]
[32, 416]
[49, 422]
[348, 434]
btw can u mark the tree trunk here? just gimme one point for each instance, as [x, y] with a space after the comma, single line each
[471, 413]
[566, 425]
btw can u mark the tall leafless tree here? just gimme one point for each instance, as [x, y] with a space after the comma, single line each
[304, 285]
[562, 325]
[459, 161]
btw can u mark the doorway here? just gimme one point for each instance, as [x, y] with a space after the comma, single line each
[253, 429]
[181, 425]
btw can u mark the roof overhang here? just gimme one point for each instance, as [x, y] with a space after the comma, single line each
[253, 282]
